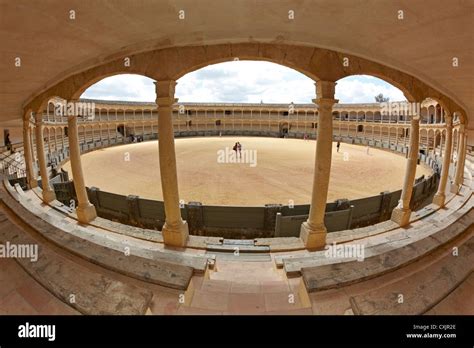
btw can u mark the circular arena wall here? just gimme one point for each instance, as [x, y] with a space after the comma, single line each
[269, 170]
[269, 219]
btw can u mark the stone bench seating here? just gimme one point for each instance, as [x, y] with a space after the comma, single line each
[387, 257]
[383, 233]
[429, 214]
[459, 300]
[164, 267]
[421, 290]
[293, 264]
[94, 293]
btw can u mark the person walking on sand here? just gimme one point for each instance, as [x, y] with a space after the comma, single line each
[338, 145]
[239, 149]
[368, 149]
[235, 149]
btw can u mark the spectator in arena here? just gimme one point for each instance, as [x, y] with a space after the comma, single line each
[235, 149]
[239, 149]
[8, 143]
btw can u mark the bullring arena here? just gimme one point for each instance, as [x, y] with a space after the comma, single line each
[281, 171]
[142, 208]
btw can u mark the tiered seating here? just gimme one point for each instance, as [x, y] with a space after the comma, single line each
[383, 258]
[88, 291]
[421, 290]
[146, 261]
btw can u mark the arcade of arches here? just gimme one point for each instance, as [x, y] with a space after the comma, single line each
[410, 247]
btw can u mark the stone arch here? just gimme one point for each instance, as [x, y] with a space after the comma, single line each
[424, 114]
[370, 116]
[174, 62]
[423, 137]
[432, 116]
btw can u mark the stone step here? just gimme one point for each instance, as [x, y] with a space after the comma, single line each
[422, 290]
[345, 273]
[234, 248]
[161, 268]
[87, 291]
[460, 301]
[244, 279]
[294, 263]
[241, 257]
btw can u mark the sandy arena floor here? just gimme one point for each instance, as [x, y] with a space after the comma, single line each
[283, 171]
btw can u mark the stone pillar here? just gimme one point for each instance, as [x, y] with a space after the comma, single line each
[56, 140]
[453, 147]
[440, 196]
[440, 144]
[48, 192]
[85, 210]
[62, 139]
[175, 230]
[459, 176]
[401, 214]
[313, 231]
[30, 170]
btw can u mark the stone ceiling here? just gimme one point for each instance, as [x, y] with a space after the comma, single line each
[52, 46]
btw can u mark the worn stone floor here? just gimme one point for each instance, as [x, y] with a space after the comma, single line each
[233, 288]
[238, 287]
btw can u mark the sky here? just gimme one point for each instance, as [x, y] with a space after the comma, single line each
[242, 82]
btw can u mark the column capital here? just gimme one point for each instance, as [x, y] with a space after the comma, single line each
[325, 102]
[38, 117]
[165, 93]
[71, 118]
[415, 120]
[325, 89]
[448, 118]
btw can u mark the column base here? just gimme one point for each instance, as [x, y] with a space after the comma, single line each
[86, 213]
[48, 196]
[175, 235]
[439, 199]
[32, 183]
[313, 237]
[401, 216]
[455, 188]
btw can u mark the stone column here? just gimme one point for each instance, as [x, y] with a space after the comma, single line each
[48, 192]
[30, 170]
[440, 143]
[401, 214]
[175, 230]
[313, 231]
[55, 140]
[85, 210]
[453, 147]
[62, 139]
[440, 196]
[459, 176]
